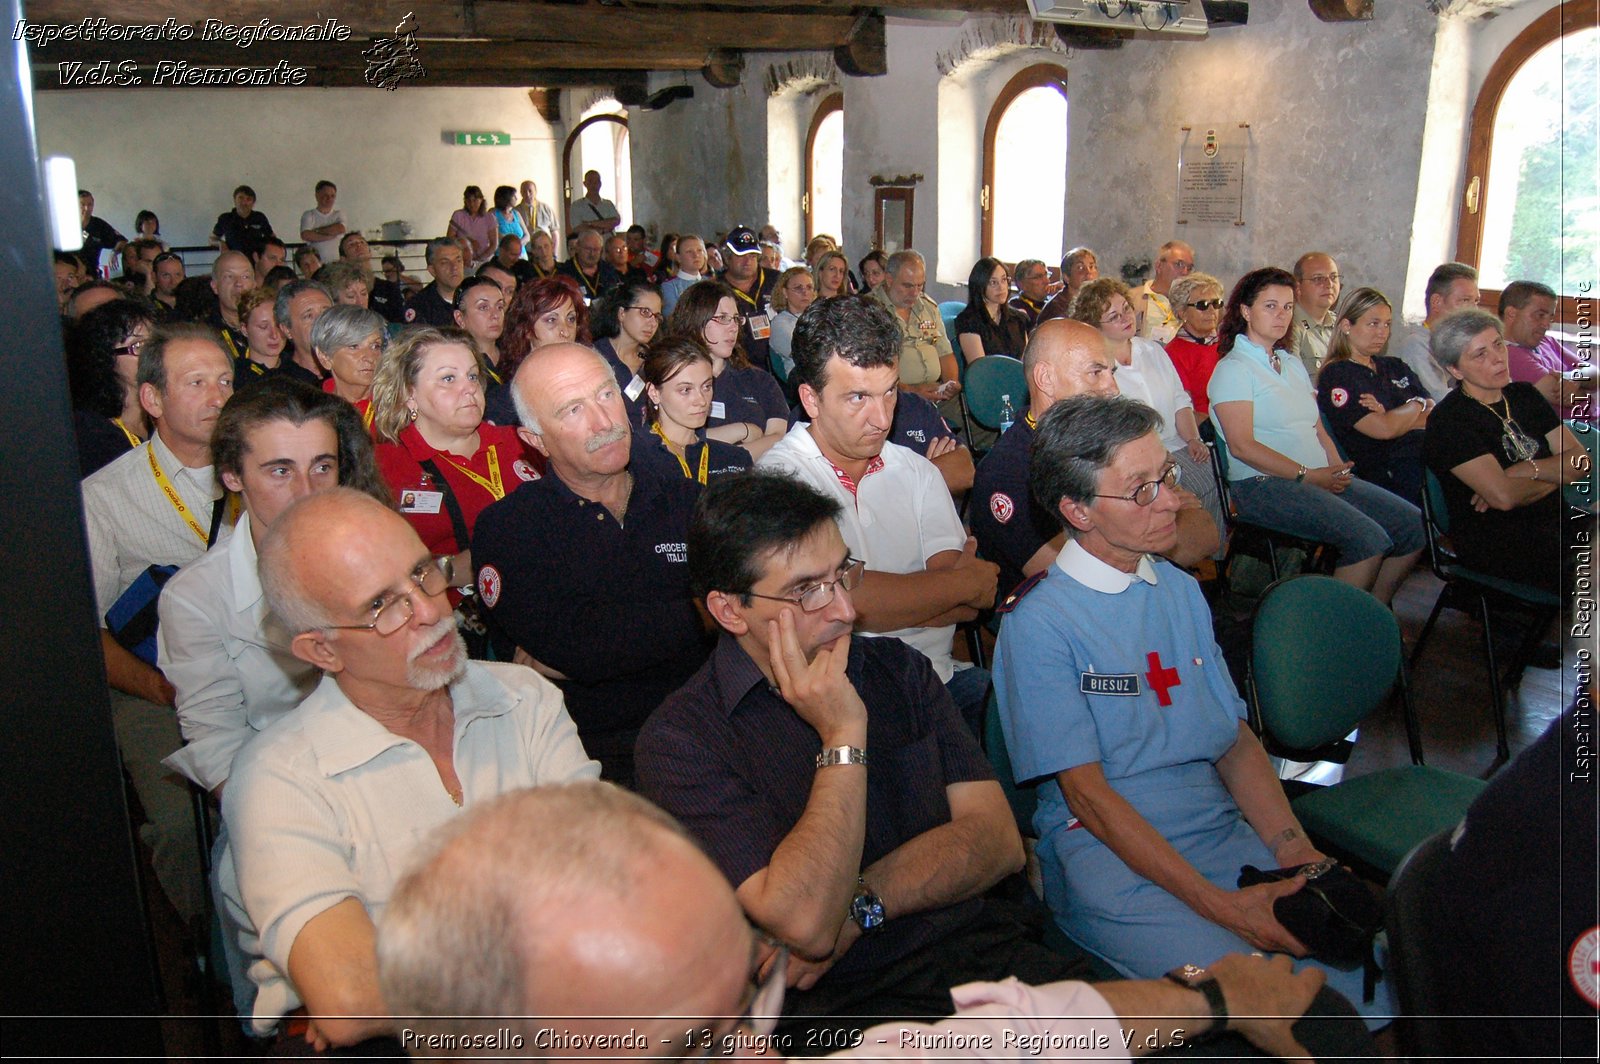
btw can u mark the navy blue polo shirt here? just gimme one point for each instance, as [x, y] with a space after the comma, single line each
[734, 763]
[632, 395]
[248, 235]
[754, 304]
[721, 459]
[606, 605]
[428, 307]
[749, 394]
[1340, 386]
[1009, 528]
[605, 277]
[388, 299]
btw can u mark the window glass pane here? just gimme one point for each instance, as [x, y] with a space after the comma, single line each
[1541, 219]
[827, 177]
[603, 147]
[1030, 176]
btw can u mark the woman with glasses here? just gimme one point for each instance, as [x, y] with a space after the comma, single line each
[349, 342]
[1502, 456]
[1197, 300]
[747, 405]
[626, 319]
[678, 394]
[1374, 405]
[1078, 267]
[794, 292]
[989, 324]
[1284, 471]
[442, 462]
[1145, 373]
[102, 362]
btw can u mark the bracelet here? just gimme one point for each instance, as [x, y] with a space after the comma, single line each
[1194, 977]
[842, 755]
[1300, 475]
[746, 437]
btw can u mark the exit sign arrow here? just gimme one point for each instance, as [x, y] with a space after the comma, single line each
[483, 139]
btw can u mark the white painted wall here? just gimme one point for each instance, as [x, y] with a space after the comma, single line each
[180, 153]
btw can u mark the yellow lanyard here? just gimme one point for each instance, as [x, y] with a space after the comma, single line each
[494, 485]
[133, 441]
[493, 375]
[177, 502]
[683, 463]
[227, 338]
[761, 279]
[367, 415]
[593, 290]
[1029, 418]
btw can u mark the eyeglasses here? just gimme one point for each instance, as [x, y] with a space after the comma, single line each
[1320, 279]
[1125, 314]
[815, 597]
[1146, 493]
[1179, 266]
[394, 612]
[729, 321]
[1207, 304]
[132, 347]
[647, 313]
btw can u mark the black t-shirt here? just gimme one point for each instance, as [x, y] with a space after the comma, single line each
[98, 237]
[1008, 527]
[389, 299]
[605, 278]
[428, 307]
[1008, 336]
[1340, 386]
[746, 395]
[248, 235]
[1523, 543]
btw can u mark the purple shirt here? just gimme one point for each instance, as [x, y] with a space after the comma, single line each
[1532, 364]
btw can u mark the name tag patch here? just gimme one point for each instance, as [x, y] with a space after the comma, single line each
[1109, 683]
[718, 410]
[760, 326]
[635, 388]
[421, 502]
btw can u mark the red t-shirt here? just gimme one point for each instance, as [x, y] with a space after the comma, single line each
[1194, 362]
[421, 497]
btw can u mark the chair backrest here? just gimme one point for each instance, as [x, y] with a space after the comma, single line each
[1323, 656]
[1022, 801]
[1408, 907]
[987, 380]
[1219, 473]
[1436, 524]
[947, 314]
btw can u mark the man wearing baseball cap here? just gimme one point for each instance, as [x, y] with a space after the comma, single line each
[752, 286]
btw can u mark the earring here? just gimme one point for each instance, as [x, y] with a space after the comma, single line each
[412, 411]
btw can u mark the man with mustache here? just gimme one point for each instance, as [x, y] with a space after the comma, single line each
[586, 570]
[325, 808]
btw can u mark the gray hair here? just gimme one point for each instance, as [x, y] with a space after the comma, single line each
[340, 274]
[1070, 259]
[1188, 289]
[1458, 329]
[286, 294]
[152, 368]
[524, 408]
[286, 595]
[1024, 265]
[436, 245]
[901, 259]
[457, 940]
[342, 325]
[1077, 438]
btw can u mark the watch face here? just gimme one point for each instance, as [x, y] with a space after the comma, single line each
[867, 910]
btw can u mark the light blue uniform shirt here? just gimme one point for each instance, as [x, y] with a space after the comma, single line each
[1286, 413]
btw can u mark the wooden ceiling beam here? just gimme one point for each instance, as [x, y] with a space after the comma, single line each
[974, 7]
[614, 27]
[489, 55]
[351, 77]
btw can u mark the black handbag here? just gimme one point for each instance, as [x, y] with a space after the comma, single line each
[1334, 914]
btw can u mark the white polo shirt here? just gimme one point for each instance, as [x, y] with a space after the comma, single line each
[898, 517]
[1150, 378]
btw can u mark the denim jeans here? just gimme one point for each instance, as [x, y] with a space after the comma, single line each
[1362, 522]
[969, 690]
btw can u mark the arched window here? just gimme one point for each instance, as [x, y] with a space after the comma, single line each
[1532, 205]
[823, 201]
[1024, 195]
[602, 145]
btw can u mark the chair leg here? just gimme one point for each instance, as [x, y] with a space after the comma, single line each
[1272, 556]
[1427, 628]
[1537, 627]
[1501, 746]
[1413, 730]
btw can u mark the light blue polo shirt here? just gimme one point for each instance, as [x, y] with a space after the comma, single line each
[1286, 412]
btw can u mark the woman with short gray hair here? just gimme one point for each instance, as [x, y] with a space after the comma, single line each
[1501, 455]
[349, 342]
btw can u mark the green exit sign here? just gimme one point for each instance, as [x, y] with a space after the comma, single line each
[484, 139]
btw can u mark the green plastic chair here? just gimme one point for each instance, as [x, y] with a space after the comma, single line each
[1479, 593]
[1023, 801]
[987, 380]
[1324, 656]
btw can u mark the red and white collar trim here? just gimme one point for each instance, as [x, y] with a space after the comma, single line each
[874, 464]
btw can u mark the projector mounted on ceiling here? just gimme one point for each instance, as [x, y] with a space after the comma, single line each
[1182, 17]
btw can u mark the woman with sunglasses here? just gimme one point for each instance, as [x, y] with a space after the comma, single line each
[678, 383]
[747, 405]
[625, 320]
[1197, 300]
[1145, 373]
[102, 359]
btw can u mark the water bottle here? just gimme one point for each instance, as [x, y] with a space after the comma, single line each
[1007, 415]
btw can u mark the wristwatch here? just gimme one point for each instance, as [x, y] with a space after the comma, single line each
[1194, 977]
[866, 908]
[1300, 475]
[842, 755]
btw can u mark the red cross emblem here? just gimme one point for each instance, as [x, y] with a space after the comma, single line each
[1161, 680]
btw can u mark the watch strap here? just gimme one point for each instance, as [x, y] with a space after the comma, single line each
[1194, 977]
[842, 755]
